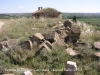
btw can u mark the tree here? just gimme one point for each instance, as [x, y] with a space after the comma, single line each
[74, 18]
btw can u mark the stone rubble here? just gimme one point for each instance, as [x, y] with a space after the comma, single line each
[66, 33]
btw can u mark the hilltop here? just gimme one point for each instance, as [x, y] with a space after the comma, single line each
[23, 28]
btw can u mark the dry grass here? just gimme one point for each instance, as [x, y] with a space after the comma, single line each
[22, 28]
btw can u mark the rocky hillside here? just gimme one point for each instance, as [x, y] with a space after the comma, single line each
[43, 46]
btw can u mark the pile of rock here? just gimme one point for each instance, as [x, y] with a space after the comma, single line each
[65, 32]
[69, 32]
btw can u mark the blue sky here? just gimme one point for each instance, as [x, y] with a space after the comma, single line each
[23, 6]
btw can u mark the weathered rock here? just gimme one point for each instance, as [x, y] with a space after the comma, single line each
[55, 37]
[61, 25]
[97, 45]
[74, 33]
[75, 29]
[68, 24]
[62, 33]
[72, 52]
[38, 38]
[55, 27]
[49, 36]
[97, 56]
[47, 45]
[59, 40]
[27, 73]
[5, 45]
[71, 68]
[26, 45]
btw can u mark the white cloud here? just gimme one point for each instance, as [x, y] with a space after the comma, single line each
[21, 7]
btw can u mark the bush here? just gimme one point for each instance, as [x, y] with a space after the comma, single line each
[54, 60]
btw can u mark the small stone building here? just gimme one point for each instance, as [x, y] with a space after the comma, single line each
[47, 13]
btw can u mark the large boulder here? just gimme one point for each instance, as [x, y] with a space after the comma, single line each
[68, 24]
[97, 45]
[74, 33]
[71, 68]
[49, 36]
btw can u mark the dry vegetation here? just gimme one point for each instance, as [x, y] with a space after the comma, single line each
[17, 58]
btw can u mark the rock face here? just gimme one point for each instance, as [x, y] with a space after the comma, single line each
[27, 73]
[71, 68]
[97, 45]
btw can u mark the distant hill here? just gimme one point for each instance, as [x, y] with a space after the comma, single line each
[15, 15]
[82, 15]
[65, 15]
